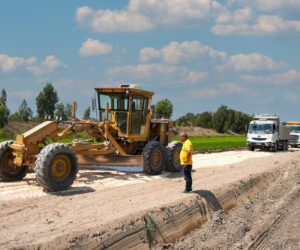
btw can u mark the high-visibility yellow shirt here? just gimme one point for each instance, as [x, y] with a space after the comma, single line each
[186, 146]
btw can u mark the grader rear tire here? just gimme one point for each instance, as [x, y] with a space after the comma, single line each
[56, 167]
[154, 158]
[8, 170]
[173, 154]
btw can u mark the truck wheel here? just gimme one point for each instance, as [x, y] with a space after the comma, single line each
[275, 147]
[8, 169]
[251, 148]
[154, 158]
[173, 157]
[56, 167]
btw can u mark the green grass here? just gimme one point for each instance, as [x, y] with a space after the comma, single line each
[211, 143]
[202, 143]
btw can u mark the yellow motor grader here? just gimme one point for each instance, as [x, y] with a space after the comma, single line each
[126, 133]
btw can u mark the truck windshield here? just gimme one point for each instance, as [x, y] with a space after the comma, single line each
[294, 129]
[260, 128]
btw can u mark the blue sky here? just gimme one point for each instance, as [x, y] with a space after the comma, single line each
[197, 53]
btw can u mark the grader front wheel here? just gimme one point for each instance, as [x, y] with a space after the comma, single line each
[154, 158]
[56, 167]
[8, 169]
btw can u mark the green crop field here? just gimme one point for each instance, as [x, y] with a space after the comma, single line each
[205, 143]
[211, 143]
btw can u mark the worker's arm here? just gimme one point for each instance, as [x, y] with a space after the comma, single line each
[188, 154]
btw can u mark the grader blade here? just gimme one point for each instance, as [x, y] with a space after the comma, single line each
[111, 160]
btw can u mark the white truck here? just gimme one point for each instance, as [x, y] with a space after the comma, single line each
[294, 140]
[266, 132]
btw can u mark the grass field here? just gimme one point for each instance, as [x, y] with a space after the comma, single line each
[211, 143]
[205, 143]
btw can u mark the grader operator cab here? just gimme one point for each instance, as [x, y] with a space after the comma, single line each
[126, 134]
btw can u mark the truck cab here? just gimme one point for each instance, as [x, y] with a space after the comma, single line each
[266, 132]
[294, 139]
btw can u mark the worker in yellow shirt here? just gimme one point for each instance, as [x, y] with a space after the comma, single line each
[186, 161]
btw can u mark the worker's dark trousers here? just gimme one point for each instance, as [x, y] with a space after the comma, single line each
[187, 170]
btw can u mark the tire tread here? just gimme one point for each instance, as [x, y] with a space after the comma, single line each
[42, 166]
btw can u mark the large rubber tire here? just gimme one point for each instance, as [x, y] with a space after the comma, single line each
[154, 158]
[8, 170]
[173, 157]
[56, 167]
[251, 148]
[275, 147]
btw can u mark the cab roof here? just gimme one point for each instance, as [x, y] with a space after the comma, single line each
[128, 89]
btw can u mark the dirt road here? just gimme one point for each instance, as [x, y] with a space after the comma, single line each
[99, 200]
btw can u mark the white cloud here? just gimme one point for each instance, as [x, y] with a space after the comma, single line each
[145, 15]
[185, 52]
[149, 54]
[258, 17]
[270, 5]
[158, 73]
[252, 62]
[288, 77]
[232, 88]
[203, 93]
[220, 89]
[49, 65]
[94, 48]
[112, 21]
[143, 71]
[31, 64]
[9, 64]
[195, 77]
[263, 25]
[237, 16]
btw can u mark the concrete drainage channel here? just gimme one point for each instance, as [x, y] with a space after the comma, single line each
[165, 224]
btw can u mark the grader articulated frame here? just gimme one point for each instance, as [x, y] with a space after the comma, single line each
[126, 134]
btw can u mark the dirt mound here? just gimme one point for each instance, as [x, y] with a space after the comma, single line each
[197, 131]
[13, 128]
[19, 126]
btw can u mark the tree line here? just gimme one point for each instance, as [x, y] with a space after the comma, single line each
[223, 120]
[47, 104]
